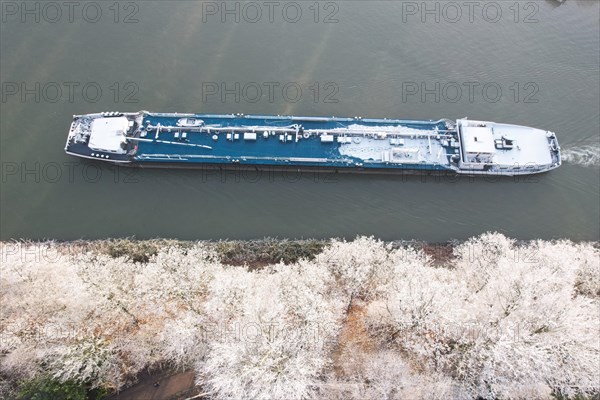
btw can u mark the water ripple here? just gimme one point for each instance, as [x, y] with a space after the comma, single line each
[586, 156]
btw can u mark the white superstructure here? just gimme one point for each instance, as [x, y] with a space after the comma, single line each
[489, 147]
[108, 134]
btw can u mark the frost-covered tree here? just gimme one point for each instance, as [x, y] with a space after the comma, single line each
[273, 332]
[505, 320]
[362, 320]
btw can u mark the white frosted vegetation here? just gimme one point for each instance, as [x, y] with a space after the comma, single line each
[273, 330]
[361, 320]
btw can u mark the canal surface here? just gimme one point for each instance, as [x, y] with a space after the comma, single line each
[530, 63]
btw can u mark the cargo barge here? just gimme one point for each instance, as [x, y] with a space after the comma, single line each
[339, 144]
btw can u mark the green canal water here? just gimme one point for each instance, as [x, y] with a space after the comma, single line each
[525, 62]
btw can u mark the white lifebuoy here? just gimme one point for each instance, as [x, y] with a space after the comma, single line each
[356, 139]
[306, 135]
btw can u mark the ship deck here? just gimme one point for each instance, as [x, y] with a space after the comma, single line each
[351, 142]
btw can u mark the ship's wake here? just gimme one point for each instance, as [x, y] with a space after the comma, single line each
[586, 156]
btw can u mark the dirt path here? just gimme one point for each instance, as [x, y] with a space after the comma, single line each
[164, 385]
